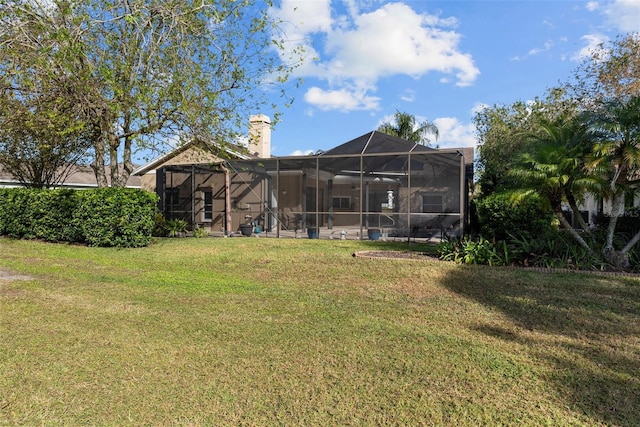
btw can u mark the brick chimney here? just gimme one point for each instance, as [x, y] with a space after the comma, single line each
[260, 135]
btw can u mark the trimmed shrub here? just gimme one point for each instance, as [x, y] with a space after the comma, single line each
[53, 215]
[16, 214]
[105, 217]
[500, 217]
[116, 217]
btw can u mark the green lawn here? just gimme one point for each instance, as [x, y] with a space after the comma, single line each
[254, 331]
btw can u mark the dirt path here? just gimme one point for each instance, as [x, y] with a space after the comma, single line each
[8, 276]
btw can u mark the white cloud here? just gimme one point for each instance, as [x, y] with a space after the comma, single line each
[409, 95]
[478, 107]
[306, 16]
[299, 20]
[301, 153]
[624, 15]
[592, 42]
[396, 40]
[356, 49]
[455, 134]
[341, 99]
[592, 5]
[547, 46]
[621, 15]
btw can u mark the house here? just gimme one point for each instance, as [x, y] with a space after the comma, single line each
[81, 177]
[593, 208]
[376, 183]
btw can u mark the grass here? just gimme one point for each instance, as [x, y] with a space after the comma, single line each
[248, 331]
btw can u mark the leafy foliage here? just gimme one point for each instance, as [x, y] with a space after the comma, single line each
[175, 226]
[144, 72]
[405, 126]
[546, 250]
[160, 228]
[117, 217]
[107, 217]
[583, 139]
[611, 71]
[501, 215]
[42, 133]
[505, 132]
[475, 251]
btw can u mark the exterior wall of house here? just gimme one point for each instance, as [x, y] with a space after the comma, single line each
[592, 206]
[345, 212]
[192, 156]
[291, 194]
[148, 181]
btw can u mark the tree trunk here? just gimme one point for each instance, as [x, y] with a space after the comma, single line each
[635, 239]
[618, 259]
[617, 204]
[572, 231]
[98, 165]
[576, 212]
[99, 147]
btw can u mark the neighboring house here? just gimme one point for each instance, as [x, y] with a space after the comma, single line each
[374, 182]
[592, 207]
[82, 177]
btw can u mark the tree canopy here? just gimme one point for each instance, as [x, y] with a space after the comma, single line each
[147, 73]
[406, 126]
[583, 138]
[42, 134]
[610, 71]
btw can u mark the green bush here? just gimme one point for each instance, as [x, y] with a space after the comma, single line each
[554, 249]
[106, 217]
[16, 214]
[475, 251]
[199, 232]
[52, 212]
[160, 228]
[117, 217]
[500, 216]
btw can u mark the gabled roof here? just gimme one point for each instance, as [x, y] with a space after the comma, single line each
[374, 143]
[207, 155]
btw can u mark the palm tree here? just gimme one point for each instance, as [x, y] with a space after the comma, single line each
[617, 157]
[554, 167]
[404, 126]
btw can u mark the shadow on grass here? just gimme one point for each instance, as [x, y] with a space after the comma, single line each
[586, 329]
[403, 246]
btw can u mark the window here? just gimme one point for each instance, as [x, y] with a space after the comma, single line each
[432, 203]
[342, 202]
[208, 204]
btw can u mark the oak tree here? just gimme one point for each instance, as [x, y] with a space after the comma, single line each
[148, 73]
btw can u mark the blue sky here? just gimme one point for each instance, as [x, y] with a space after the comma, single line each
[436, 60]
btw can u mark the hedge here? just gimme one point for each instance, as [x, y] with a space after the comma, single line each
[119, 217]
[500, 217]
